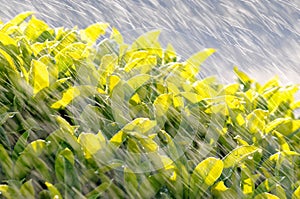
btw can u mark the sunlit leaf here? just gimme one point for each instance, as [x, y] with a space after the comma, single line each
[5, 57]
[208, 171]
[285, 126]
[35, 28]
[148, 41]
[16, 21]
[54, 193]
[92, 33]
[7, 40]
[192, 66]
[113, 80]
[296, 194]
[162, 104]
[40, 76]
[238, 154]
[243, 78]
[116, 35]
[256, 120]
[91, 143]
[67, 97]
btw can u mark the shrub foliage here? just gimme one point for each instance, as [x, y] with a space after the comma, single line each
[85, 115]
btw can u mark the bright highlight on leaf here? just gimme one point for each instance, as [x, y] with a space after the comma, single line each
[67, 97]
[208, 171]
[93, 32]
[40, 76]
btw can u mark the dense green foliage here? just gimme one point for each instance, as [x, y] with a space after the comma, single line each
[84, 115]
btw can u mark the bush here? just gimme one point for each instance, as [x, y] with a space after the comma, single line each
[85, 115]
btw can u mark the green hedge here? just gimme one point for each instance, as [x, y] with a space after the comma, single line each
[85, 115]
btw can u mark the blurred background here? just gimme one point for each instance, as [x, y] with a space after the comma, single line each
[261, 37]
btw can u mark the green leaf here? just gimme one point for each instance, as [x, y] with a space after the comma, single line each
[98, 191]
[238, 155]
[151, 185]
[27, 190]
[8, 192]
[27, 162]
[140, 128]
[6, 162]
[59, 138]
[65, 172]
[266, 196]
[131, 182]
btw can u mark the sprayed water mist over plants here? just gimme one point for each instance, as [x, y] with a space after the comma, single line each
[87, 115]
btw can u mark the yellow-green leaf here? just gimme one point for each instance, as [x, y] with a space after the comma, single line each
[116, 35]
[40, 76]
[192, 97]
[6, 162]
[91, 143]
[243, 77]
[138, 80]
[113, 80]
[7, 40]
[54, 193]
[5, 57]
[36, 147]
[147, 40]
[67, 97]
[193, 63]
[35, 28]
[8, 192]
[208, 171]
[16, 21]
[266, 196]
[93, 32]
[296, 194]
[256, 120]
[162, 104]
[238, 154]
